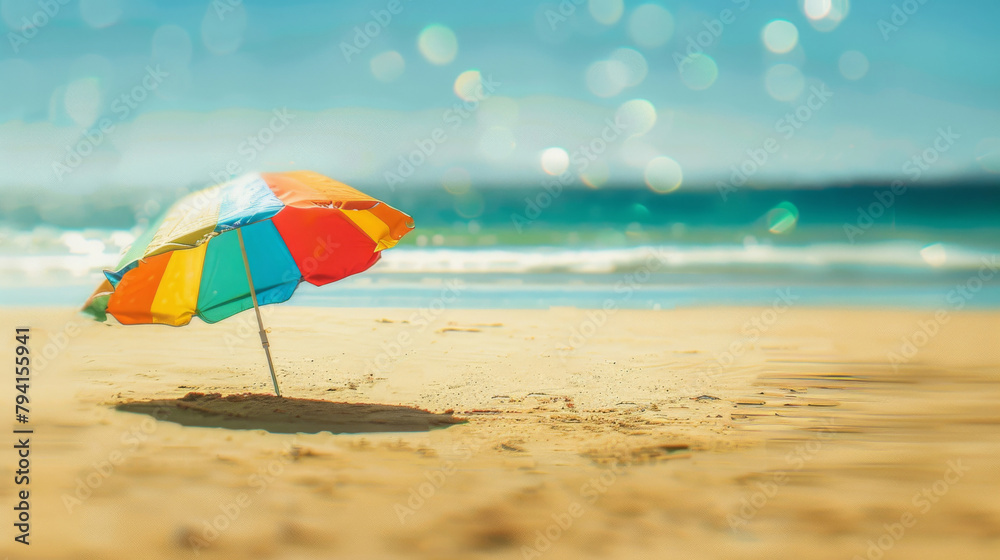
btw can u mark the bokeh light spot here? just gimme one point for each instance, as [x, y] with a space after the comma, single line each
[826, 15]
[816, 9]
[469, 205]
[83, 100]
[100, 13]
[663, 175]
[456, 180]
[388, 66]
[438, 44]
[606, 12]
[637, 115]
[468, 85]
[699, 71]
[555, 161]
[784, 82]
[650, 25]
[934, 255]
[782, 218]
[780, 36]
[636, 152]
[853, 65]
[607, 78]
[988, 154]
[596, 175]
[635, 65]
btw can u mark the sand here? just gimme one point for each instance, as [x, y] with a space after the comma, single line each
[514, 434]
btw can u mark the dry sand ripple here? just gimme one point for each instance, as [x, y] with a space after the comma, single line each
[514, 441]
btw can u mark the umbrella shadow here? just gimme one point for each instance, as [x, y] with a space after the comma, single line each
[283, 415]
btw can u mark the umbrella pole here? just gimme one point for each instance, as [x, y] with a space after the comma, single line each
[256, 309]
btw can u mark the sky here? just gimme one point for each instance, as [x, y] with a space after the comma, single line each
[423, 94]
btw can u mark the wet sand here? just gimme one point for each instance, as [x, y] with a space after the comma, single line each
[700, 433]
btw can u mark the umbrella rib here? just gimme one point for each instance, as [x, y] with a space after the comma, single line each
[256, 308]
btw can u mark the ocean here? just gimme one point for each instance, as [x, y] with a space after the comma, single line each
[929, 247]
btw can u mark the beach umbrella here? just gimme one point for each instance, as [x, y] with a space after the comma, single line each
[246, 243]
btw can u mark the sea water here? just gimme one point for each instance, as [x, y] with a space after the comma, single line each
[627, 248]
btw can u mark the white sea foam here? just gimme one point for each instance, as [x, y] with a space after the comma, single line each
[33, 256]
[905, 255]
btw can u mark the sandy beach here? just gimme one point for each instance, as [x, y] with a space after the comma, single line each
[566, 433]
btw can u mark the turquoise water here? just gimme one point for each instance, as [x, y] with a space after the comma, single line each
[641, 278]
[930, 248]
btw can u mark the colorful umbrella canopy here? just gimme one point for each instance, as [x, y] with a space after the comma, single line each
[296, 226]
